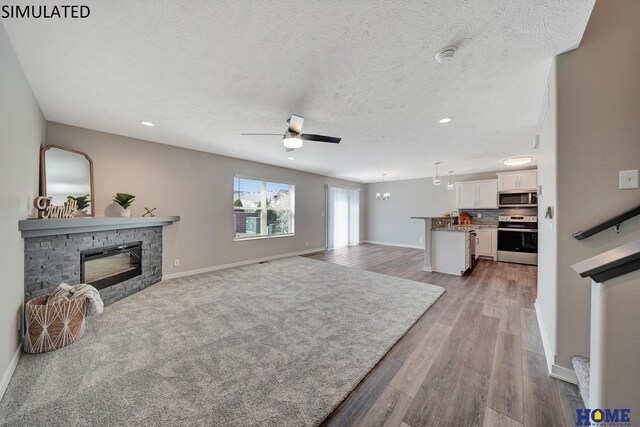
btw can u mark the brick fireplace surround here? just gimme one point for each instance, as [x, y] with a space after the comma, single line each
[54, 257]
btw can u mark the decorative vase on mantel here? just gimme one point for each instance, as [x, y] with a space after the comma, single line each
[124, 200]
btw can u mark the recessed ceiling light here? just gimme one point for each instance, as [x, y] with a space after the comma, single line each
[145, 123]
[290, 158]
[445, 119]
[518, 161]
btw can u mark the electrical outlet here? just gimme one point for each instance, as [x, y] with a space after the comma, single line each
[176, 262]
[628, 179]
[479, 215]
[306, 243]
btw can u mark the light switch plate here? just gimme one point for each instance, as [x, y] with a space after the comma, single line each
[628, 179]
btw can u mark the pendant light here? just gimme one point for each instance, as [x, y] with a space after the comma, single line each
[436, 179]
[383, 195]
[450, 185]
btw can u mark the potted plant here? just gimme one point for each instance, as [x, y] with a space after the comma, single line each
[124, 200]
[83, 204]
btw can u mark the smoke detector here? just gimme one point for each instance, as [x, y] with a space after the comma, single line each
[446, 54]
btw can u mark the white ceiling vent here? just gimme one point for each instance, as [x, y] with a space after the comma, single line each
[446, 54]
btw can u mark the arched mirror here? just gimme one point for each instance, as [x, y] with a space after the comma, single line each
[67, 173]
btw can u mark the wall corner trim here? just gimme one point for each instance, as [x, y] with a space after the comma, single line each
[239, 264]
[555, 371]
[8, 373]
[546, 344]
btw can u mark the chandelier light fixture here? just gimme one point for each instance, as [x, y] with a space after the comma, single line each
[384, 195]
[436, 179]
[450, 185]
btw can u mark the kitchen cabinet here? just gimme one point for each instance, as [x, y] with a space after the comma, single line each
[451, 252]
[477, 194]
[520, 180]
[466, 195]
[487, 243]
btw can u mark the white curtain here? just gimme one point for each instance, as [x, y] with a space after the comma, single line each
[343, 217]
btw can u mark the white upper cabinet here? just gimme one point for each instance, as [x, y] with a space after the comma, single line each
[528, 180]
[487, 194]
[520, 180]
[466, 195]
[477, 194]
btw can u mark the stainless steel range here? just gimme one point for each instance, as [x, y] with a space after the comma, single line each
[518, 239]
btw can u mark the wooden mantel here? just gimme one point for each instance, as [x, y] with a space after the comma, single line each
[52, 227]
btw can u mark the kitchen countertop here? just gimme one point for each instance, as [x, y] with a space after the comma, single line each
[464, 228]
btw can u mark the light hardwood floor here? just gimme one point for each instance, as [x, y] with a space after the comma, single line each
[475, 358]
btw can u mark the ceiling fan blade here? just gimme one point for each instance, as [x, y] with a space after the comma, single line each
[295, 124]
[261, 134]
[320, 138]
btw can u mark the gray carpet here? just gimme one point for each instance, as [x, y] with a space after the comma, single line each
[276, 344]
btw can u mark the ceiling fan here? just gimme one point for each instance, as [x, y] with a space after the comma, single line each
[294, 138]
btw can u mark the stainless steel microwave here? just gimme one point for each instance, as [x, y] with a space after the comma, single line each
[512, 199]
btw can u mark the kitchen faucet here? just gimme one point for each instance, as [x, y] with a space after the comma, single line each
[451, 218]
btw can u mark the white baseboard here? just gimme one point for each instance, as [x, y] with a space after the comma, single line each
[555, 371]
[238, 264]
[8, 373]
[564, 374]
[373, 242]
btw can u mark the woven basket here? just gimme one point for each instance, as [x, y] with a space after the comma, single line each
[53, 326]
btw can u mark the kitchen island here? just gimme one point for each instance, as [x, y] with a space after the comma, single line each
[451, 249]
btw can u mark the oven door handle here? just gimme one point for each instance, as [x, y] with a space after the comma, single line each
[518, 230]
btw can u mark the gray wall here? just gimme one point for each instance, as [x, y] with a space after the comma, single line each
[598, 135]
[21, 133]
[199, 187]
[548, 230]
[389, 221]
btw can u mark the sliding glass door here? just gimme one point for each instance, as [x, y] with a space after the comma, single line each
[343, 217]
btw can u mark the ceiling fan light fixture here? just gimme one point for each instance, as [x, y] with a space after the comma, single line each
[292, 141]
[517, 161]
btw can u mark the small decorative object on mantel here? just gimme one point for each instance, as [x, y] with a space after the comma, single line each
[46, 211]
[83, 204]
[124, 200]
[149, 212]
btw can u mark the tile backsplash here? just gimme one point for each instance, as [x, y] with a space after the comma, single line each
[490, 216]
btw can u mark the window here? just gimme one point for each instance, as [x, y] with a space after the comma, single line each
[262, 208]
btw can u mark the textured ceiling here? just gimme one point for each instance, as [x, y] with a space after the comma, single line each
[365, 71]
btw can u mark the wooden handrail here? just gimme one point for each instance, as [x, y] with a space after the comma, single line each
[612, 222]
